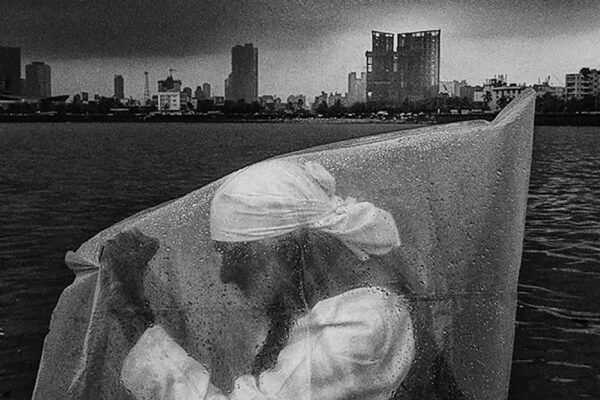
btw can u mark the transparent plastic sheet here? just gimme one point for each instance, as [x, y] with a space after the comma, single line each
[458, 195]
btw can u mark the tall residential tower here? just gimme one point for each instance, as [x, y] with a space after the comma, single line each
[38, 80]
[119, 87]
[411, 72]
[10, 70]
[242, 83]
[206, 90]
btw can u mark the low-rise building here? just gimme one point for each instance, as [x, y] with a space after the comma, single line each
[452, 88]
[268, 101]
[497, 92]
[502, 95]
[218, 100]
[478, 95]
[335, 98]
[170, 96]
[545, 88]
[584, 83]
[510, 91]
[298, 102]
[185, 96]
[322, 98]
[271, 103]
[357, 88]
[169, 101]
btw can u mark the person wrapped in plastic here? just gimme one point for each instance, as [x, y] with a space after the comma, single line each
[340, 328]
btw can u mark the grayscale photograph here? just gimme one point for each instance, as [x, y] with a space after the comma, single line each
[299, 200]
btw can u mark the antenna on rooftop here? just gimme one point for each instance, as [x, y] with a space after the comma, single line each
[146, 89]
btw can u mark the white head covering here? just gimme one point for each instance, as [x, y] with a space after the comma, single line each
[276, 197]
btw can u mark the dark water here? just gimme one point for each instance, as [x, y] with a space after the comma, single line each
[62, 183]
[557, 346]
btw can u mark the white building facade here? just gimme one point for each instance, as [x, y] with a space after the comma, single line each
[357, 88]
[169, 102]
[452, 88]
[585, 83]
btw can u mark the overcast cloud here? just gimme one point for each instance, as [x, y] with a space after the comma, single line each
[304, 45]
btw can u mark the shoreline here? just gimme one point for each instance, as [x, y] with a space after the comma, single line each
[198, 119]
[540, 119]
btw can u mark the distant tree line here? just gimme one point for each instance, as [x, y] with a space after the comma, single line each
[550, 104]
[545, 104]
[427, 106]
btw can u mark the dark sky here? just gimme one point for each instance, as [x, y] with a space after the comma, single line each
[304, 45]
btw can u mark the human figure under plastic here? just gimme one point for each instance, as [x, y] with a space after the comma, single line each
[342, 320]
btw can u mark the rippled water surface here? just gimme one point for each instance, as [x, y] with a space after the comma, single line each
[557, 346]
[62, 183]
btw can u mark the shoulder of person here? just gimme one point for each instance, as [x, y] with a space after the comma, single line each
[364, 311]
[367, 317]
[362, 302]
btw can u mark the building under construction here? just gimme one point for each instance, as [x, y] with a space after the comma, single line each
[410, 72]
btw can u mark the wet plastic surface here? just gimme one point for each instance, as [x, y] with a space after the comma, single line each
[458, 194]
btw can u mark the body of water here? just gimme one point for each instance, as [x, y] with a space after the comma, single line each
[557, 345]
[60, 184]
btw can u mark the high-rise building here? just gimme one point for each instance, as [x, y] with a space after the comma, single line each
[227, 85]
[37, 80]
[242, 83]
[10, 70]
[357, 88]
[419, 64]
[203, 92]
[186, 95]
[147, 98]
[199, 93]
[411, 72]
[206, 90]
[380, 68]
[119, 87]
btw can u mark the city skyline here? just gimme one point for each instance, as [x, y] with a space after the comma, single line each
[305, 46]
